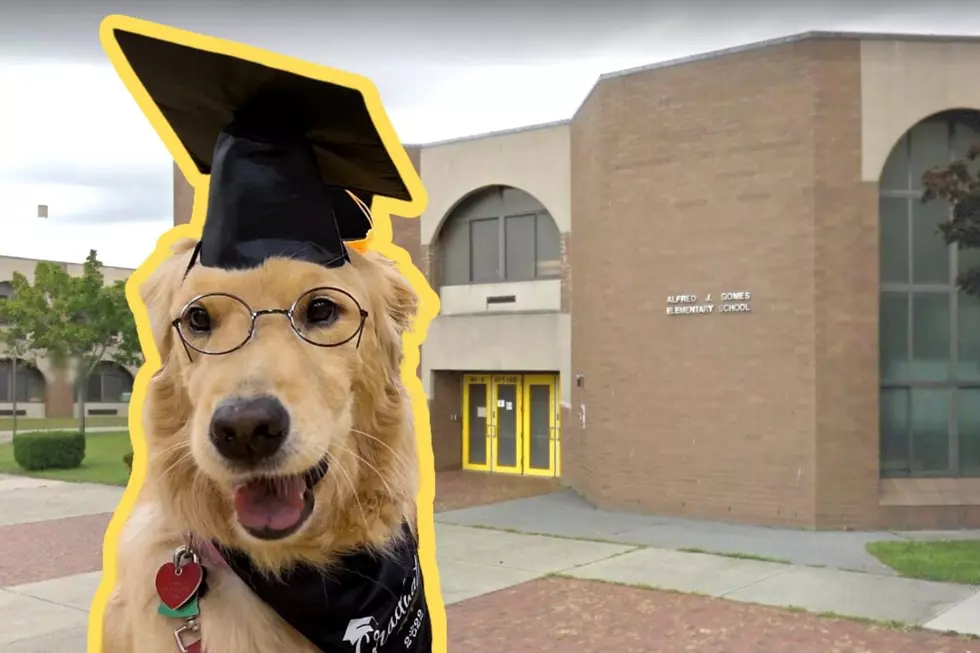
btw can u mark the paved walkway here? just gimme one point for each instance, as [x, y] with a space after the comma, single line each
[49, 568]
[565, 514]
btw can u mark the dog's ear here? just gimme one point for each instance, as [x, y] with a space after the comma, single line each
[157, 292]
[399, 304]
[400, 299]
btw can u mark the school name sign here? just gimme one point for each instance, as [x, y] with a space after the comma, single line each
[727, 302]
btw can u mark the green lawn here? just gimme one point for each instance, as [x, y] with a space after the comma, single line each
[951, 561]
[103, 461]
[29, 423]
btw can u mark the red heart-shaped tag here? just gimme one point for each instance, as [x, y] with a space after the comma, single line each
[175, 587]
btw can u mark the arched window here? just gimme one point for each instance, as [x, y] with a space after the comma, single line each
[499, 234]
[30, 386]
[930, 332]
[108, 383]
[6, 292]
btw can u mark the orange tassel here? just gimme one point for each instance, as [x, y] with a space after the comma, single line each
[361, 245]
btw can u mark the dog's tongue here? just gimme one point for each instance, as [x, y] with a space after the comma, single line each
[274, 504]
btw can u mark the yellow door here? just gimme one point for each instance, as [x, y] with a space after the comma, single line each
[505, 432]
[540, 430]
[476, 422]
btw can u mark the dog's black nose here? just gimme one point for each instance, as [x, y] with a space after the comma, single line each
[248, 431]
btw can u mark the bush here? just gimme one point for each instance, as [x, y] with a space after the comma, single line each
[49, 450]
[128, 459]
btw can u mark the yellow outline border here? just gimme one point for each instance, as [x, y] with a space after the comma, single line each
[380, 240]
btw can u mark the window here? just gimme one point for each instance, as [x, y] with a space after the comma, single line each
[30, 386]
[930, 332]
[108, 383]
[6, 292]
[499, 234]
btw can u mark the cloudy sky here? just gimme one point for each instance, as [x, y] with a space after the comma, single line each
[72, 138]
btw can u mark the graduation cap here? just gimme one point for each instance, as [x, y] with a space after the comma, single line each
[294, 162]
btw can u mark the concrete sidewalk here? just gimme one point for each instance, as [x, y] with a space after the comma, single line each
[565, 514]
[51, 616]
[25, 500]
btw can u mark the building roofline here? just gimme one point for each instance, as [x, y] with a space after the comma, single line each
[712, 54]
[495, 133]
[783, 40]
[49, 260]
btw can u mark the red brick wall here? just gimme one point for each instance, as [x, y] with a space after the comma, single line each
[445, 410]
[406, 232]
[704, 178]
[183, 198]
[845, 281]
[59, 400]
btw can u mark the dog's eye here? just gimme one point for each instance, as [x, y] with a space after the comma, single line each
[198, 319]
[321, 312]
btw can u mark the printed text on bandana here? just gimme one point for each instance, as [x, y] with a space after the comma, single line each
[365, 635]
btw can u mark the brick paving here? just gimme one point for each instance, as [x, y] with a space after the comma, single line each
[556, 615]
[51, 549]
[550, 615]
[461, 489]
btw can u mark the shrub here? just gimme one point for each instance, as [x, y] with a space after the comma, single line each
[49, 450]
[128, 459]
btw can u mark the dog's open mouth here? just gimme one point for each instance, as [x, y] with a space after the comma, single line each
[274, 507]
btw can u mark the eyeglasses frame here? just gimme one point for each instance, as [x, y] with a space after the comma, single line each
[288, 312]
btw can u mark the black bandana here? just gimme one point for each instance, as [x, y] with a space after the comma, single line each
[367, 603]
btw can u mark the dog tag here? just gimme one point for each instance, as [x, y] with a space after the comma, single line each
[186, 611]
[178, 585]
[193, 647]
[202, 591]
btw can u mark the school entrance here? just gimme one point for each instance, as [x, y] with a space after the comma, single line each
[511, 424]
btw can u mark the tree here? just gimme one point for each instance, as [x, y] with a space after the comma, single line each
[12, 338]
[127, 349]
[73, 321]
[959, 184]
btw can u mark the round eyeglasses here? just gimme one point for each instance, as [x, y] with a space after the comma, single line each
[220, 323]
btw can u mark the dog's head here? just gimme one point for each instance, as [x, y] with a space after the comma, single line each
[277, 422]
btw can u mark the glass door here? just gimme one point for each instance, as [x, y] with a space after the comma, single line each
[540, 428]
[511, 424]
[505, 434]
[476, 422]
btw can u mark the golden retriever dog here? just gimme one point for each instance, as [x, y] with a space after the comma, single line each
[344, 405]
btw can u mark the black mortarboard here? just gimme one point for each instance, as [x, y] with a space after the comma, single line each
[282, 150]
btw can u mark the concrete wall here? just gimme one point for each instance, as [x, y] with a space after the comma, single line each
[530, 334]
[534, 160]
[905, 81]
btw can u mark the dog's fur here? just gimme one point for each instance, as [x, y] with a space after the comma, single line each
[344, 402]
